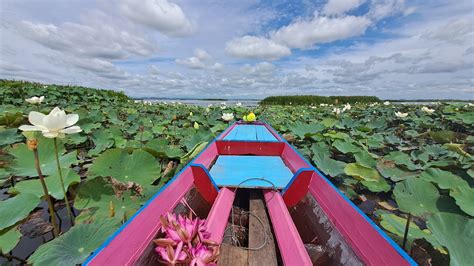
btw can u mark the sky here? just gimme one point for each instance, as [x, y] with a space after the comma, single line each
[243, 49]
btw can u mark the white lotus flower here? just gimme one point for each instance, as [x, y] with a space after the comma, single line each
[227, 116]
[401, 115]
[55, 124]
[223, 103]
[346, 107]
[469, 105]
[238, 104]
[386, 103]
[210, 105]
[427, 110]
[208, 110]
[336, 110]
[35, 100]
[223, 107]
[323, 104]
[314, 107]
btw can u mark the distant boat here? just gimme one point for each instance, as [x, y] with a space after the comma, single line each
[306, 219]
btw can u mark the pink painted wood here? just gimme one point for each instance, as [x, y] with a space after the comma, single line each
[203, 184]
[248, 147]
[291, 246]
[207, 156]
[292, 159]
[127, 246]
[369, 244]
[219, 214]
[298, 188]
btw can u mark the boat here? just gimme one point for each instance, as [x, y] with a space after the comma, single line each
[287, 204]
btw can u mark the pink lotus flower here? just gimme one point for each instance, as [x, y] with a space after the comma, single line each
[203, 255]
[172, 256]
[186, 240]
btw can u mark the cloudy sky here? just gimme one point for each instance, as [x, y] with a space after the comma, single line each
[243, 48]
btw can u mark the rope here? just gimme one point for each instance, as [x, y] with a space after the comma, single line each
[234, 240]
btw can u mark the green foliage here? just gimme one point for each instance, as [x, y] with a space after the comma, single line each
[75, 246]
[16, 209]
[456, 233]
[313, 99]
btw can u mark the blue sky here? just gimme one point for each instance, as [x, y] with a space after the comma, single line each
[243, 49]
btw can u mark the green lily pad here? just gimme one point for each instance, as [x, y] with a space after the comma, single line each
[161, 148]
[361, 172]
[9, 136]
[329, 166]
[199, 137]
[396, 225]
[416, 196]
[365, 158]
[97, 196]
[24, 162]
[377, 186]
[9, 238]
[75, 246]
[401, 158]
[456, 233]
[303, 130]
[443, 179]
[140, 166]
[194, 152]
[388, 169]
[443, 136]
[33, 186]
[464, 196]
[346, 147]
[16, 209]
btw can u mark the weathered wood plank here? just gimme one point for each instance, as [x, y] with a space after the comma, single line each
[231, 255]
[267, 254]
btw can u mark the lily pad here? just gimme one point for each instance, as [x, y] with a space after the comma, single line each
[464, 196]
[456, 233]
[98, 197]
[396, 225]
[9, 136]
[361, 172]
[33, 186]
[346, 147]
[140, 166]
[416, 196]
[161, 148]
[16, 209]
[401, 158]
[75, 246]
[443, 179]
[303, 130]
[24, 162]
[9, 238]
[389, 169]
[329, 166]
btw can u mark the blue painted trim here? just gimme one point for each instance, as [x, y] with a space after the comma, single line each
[207, 173]
[294, 178]
[375, 226]
[99, 249]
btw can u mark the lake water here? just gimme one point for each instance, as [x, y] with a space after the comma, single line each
[207, 102]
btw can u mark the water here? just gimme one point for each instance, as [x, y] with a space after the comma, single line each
[207, 102]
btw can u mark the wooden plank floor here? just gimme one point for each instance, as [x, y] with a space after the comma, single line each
[267, 254]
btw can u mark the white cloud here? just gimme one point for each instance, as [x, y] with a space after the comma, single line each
[91, 40]
[200, 60]
[338, 7]
[305, 34]
[162, 15]
[380, 9]
[253, 47]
